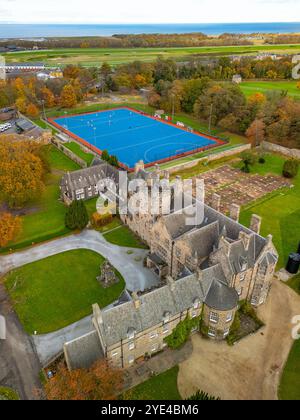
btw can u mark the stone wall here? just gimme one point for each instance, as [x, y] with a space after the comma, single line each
[291, 153]
[69, 153]
[216, 156]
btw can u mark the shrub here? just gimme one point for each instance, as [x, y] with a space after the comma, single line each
[246, 169]
[100, 220]
[290, 169]
[262, 160]
[77, 216]
[236, 325]
[182, 332]
[202, 396]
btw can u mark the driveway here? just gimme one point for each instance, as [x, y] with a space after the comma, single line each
[48, 346]
[128, 261]
[250, 370]
[19, 363]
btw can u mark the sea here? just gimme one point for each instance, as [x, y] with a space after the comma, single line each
[39, 31]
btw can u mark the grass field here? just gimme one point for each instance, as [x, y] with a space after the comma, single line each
[162, 387]
[289, 388]
[116, 56]
[123, 236]
[77, 149]
[280, 211]
[294, 283]
[249, 88]
[57, 291]
[8, 394]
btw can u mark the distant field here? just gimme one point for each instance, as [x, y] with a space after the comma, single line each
[249, 88]
[92, 57]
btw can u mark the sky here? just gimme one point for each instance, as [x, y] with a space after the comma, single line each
[153, 11]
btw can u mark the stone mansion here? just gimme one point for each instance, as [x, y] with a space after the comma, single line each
[205, 272]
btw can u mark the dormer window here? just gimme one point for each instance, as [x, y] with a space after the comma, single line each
[196, 304]
[166, 317]
[131, 334]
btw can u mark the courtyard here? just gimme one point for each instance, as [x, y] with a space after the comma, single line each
[54, 292]
[251, 370]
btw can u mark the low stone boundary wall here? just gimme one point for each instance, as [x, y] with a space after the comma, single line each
[291, 153]
[69, 153]
[209, 158]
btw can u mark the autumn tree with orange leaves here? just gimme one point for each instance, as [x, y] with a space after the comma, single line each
[100, 382]
[68, 97]
[22, 171]
[9, 228]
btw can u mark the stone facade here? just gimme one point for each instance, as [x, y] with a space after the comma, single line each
[206, 270]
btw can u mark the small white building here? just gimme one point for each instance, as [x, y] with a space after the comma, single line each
[237, 79]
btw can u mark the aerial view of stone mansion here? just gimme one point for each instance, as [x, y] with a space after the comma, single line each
[205, 272]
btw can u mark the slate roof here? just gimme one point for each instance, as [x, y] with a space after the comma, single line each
[221, 297]
[203, 239]
[84, 351]
[173, 299]
[89, 176]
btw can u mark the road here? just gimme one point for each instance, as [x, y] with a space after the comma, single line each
[130, 265]
[19, 363]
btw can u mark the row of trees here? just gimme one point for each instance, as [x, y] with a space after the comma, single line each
[29, 93]
[274, 117]
[136, 41]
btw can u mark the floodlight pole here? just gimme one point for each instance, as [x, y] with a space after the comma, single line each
[210, 118]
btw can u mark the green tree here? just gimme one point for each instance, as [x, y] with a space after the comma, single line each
[105, 155]
[77, 216]
[202, 396]
[290, 168]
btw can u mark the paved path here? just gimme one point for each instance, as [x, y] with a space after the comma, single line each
[131, 267]
[48, 346]
[250, 370]
[19, 363]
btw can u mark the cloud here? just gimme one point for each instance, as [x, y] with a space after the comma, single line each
[155, 11]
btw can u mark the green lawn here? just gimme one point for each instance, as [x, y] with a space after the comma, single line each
[162, 388]
[57, 291]
[77, 149]
[294, 283]
[116, 56]
[280, 211]
[8, 394]
[249, 88]
[61, 162]
[289, 388]
[124, 237]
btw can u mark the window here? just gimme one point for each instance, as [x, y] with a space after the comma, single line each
[214, 317]
[212, 332]
[178, 253]
[153, 335]
[131, 360]
[165, 329]
[194, 314]
[166, 317]
[131, 346]
[240, 291]
[229, 317]
[226, 333]
[196, 304]
[114, 354]
[131, 334]
[153, 349]
[242, 277]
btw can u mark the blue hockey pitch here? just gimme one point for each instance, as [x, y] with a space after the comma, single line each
[133, 136]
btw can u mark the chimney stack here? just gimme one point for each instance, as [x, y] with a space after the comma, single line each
[136, 300]
[235, 211]
[255, 224]
[216, 202]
